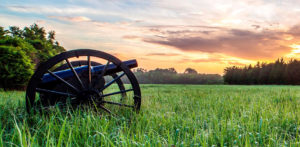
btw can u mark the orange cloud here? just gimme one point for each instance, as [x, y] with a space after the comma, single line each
[236, 63]
[266, 44]
[163, 54]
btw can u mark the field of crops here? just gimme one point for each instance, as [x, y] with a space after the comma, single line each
[180, 115]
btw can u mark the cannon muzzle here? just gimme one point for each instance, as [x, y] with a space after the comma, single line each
[111, 68]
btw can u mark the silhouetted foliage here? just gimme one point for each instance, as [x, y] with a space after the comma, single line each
[190, 71]
[170, 76]
[279, 72]
[21, 50]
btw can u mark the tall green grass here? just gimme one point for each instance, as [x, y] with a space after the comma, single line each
[180, 115]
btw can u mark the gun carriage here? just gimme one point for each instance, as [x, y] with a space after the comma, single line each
[84, 77]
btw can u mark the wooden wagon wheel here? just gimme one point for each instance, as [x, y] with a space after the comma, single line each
[82, 88]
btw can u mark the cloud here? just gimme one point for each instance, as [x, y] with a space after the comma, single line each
[46, 9]
[234, 29]
[130, 37]
[255, 26]
[266, 44]
[41, 21]
[215, 59]
[163, 54]
[236, 63]
[208, 60]
[295, 30]
[72, 19]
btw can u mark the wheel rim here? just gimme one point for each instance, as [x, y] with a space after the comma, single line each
[86, 90]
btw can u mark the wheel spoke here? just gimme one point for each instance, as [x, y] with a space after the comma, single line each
[90, 72]
[75, 73]
[105, 109]
[62, 80]
[119, 104]
[122, 91]
[54, 92]
[111, 82]
[104, 69]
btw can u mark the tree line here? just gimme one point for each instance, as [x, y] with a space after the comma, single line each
[278, 72]
[171, 76]
[21, 50]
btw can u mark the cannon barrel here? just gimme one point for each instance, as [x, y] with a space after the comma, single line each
[111, 68]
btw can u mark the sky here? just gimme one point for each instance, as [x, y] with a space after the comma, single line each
[207, 35]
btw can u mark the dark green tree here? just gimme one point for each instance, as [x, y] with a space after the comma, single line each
[293, 72]
[278, 72]
[29, 46]
[15, 68]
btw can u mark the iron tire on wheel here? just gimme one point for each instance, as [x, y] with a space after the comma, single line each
[35, 82]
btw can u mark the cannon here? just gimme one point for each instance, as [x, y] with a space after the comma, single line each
[84, 77]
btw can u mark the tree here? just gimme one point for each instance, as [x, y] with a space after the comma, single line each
[15, 68]
[15, 31]
[292, 72]
[139, 70]
[36, 36]
[19, 43]
[51, 36]
[22, 50]
[2, 32]
[190, 71]
[278, 72]
[170, 76]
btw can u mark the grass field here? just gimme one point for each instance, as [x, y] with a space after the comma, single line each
[180, 115]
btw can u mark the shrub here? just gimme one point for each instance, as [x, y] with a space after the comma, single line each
[15, 68]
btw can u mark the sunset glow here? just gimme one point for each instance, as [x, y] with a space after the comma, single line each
[296, 49]
[205, 35]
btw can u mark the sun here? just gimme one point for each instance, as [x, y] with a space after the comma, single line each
[296, 48]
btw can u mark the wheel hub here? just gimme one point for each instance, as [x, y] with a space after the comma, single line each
[91, 95]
